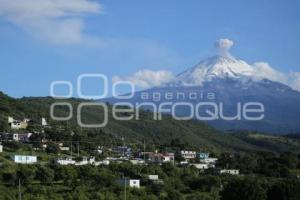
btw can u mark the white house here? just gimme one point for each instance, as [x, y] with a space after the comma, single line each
[10, 119]
[133, 183]
[99, 150]
[103, 162]
[168, 157]
[23, 159]
[15, 136]
[44, 122]
[188, 154]
[153, 177]
[209, 160]
[84, 161]
[65, 161]
[200, 165]
[229, 171]
[137, 161]
[18, 124]
[64, 148]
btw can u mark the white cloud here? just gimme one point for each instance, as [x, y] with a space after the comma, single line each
[57, 21]
[295, 83]
[263, 70]
[223, 45]
[147, 78]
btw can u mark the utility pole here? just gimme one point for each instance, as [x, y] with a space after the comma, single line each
[72, 134]
[20, 195]
[144, 151]
[71, 149]
[125, 188]
[78, 148]
[123, 139]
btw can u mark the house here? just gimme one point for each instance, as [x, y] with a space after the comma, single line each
[209, 160]
[44, 122]
[155, 179]
[200, 165]
[155, 157]
[23, 159]
[103, 162]
[1, 148]
[229, 171]
[27, 120]
[133, 183]
[202, 155]
[64, 148]
[22, 137]
[123, 150]
[169, 157]
[184, 163]
[187, 155]
[65, 161]
[10, 119]
[89, 161]
[137, 161]
[18, 124]
[84, 161]
[99, 150]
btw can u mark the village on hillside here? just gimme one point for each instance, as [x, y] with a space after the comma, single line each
[70, 153]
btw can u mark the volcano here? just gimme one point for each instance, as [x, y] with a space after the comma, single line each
[230, 82]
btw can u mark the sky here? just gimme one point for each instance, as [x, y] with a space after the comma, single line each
[42, 41]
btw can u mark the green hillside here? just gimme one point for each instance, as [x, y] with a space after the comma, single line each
[188, 134]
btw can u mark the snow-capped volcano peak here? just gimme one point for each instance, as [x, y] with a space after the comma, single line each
[220, 66]
[223, 66]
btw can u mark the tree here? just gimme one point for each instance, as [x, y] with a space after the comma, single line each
[246, 189]
[174, 195]
[44, 174]
[52, 148]
[26, 173]
[284, 190]
[289, 159]
[9, 177]
[6, 193]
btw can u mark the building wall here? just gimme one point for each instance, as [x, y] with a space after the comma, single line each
[134, 183]
[24, 159]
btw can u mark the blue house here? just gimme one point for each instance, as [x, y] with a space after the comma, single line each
[202, 155]
[124, 150]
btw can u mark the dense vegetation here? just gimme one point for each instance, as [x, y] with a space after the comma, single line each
[266, 177]
[193, 134]
[269, 170]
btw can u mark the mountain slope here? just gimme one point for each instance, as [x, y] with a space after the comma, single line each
[191, 133]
